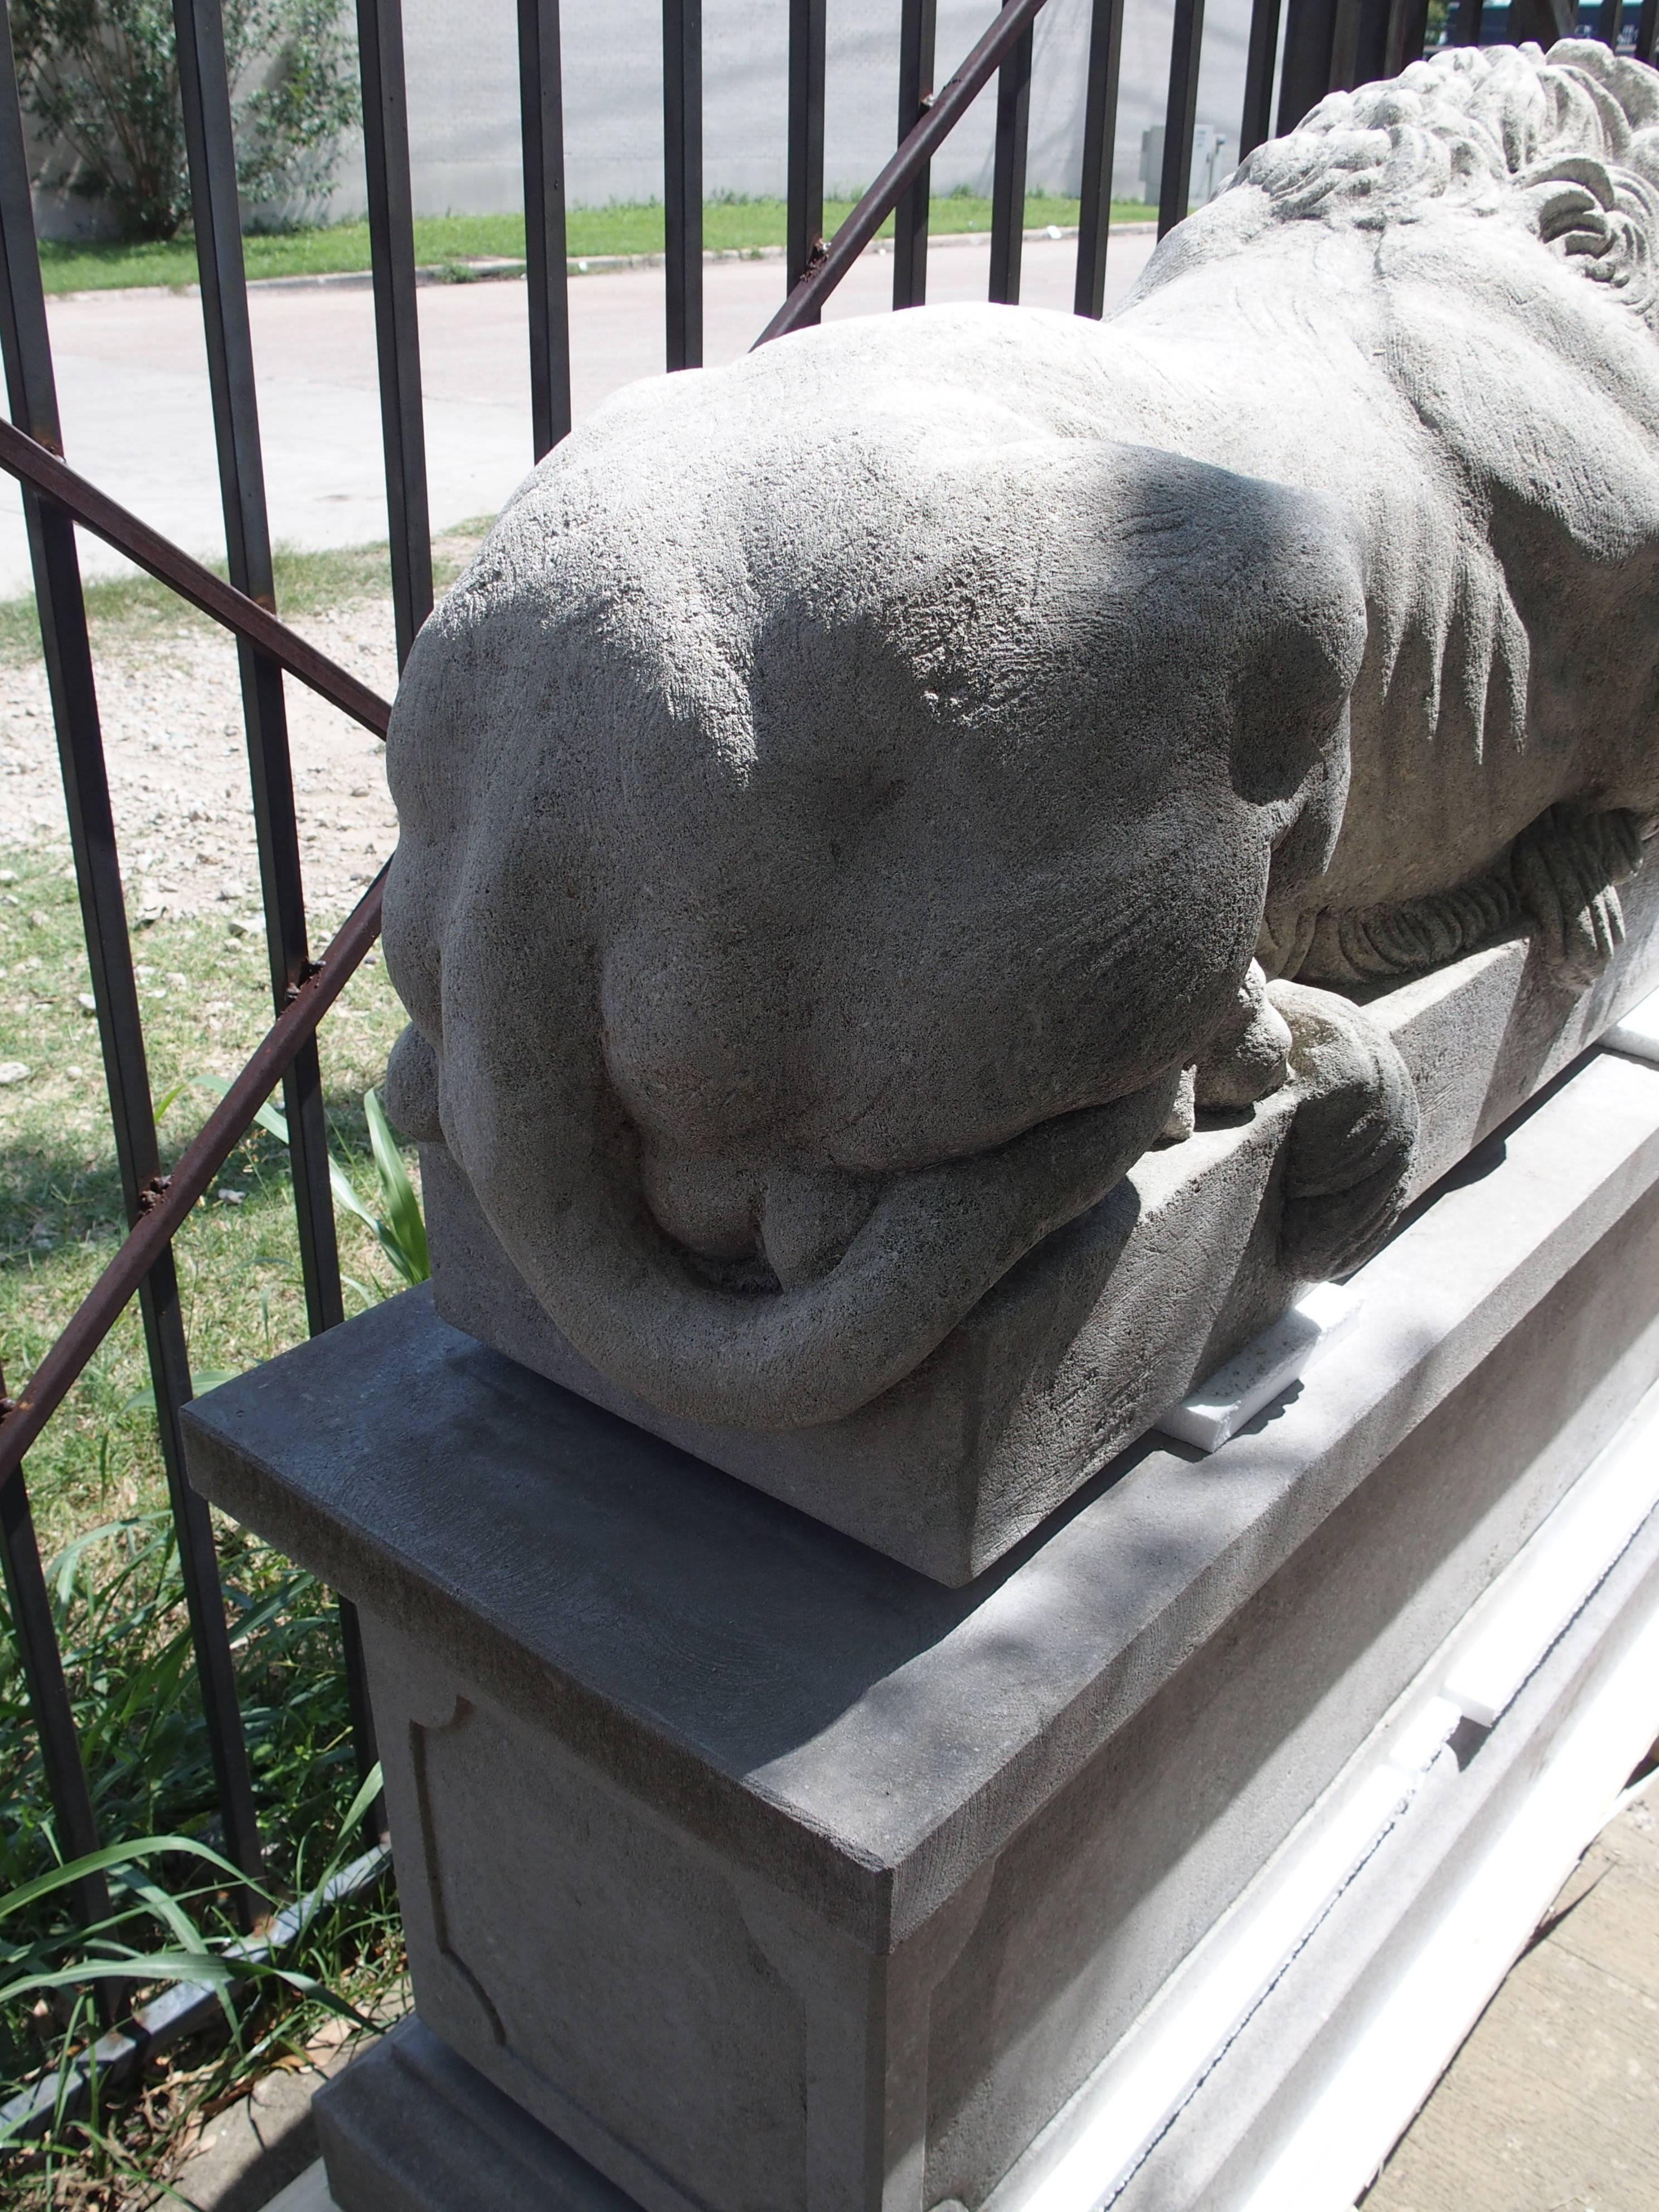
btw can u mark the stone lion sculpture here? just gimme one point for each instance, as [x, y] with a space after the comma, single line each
[857, 799]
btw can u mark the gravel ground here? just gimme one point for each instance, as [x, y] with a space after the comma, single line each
[179, 773]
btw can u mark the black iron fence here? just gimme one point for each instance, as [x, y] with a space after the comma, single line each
[1321, 44]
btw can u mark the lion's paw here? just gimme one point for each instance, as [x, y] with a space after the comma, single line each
[1566, 869]
[1352, 1142]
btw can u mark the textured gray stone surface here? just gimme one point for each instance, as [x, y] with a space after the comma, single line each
[843, 805]
[1079, 1348]
[765, 1872]
[410, 2127]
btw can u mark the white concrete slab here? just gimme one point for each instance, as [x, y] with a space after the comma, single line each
[133, 388]
[1638, 1032]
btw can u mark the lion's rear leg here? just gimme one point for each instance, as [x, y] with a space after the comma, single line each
[1566, 869]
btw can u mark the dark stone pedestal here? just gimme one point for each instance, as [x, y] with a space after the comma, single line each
[754, 1872]
[412, 2128]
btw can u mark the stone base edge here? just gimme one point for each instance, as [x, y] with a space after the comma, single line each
[410, 2127]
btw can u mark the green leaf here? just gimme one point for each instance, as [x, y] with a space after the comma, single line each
[167, 1910]
[135, 1966]
[369, 1789]
[309, 1986]
[116, 1854]
[63, 1567]
[268, 1116]
[402, 1231]
[204, 1379]
[345, 1194]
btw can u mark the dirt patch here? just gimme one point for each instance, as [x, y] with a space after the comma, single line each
[170, 701]
[177, 766]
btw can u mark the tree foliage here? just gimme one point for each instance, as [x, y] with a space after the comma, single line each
[102, 77]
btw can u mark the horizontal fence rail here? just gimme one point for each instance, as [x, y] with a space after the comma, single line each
[1298, 51]
[21, 456]
[806, 300]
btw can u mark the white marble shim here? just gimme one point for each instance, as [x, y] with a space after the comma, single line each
[1265, 1370]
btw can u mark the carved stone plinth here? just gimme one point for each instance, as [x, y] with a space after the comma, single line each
[1078, 1349]
[762, 1872]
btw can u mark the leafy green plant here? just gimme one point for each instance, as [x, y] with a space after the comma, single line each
[398, 1227]
[168, 1884]
[102, 76]
[101, 1952]
[118, 1603]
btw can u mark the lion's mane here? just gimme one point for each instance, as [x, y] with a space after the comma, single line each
[1574, 133]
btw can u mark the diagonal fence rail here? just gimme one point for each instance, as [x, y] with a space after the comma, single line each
[1318, 45]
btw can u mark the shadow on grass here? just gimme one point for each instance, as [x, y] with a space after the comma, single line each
[52, 1195]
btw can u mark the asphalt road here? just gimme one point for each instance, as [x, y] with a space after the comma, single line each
[132, 380]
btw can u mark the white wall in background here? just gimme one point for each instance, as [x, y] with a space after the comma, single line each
[464, 97]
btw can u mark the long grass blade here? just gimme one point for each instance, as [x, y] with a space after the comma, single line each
[131, 1966]
[115, 1854]
[401, 1232]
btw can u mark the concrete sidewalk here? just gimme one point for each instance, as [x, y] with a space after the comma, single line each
[133, 379]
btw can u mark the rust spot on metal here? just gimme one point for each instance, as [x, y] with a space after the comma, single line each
[308, 968]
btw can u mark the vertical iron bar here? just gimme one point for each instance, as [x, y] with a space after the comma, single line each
[215, 212]
[67, 654]
[397, 327]
[36, 1637]
[365, 1751]
[918, 25]
[682, 198]
[807, 64]
[1008, 178]
[1607, 22]
[541, 107]
[1466, 30]
[1345, 47]
[1647, 30]
[1257, 123]
[1179, 115]
[1305, 77]
[1408, 30]
[1093, 220]
[1372, 38]
[403, 419]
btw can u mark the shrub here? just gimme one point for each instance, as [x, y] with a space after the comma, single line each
[102, 77]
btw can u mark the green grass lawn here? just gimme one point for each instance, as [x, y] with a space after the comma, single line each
[206, 996]
[741, 226]
[129, 610]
